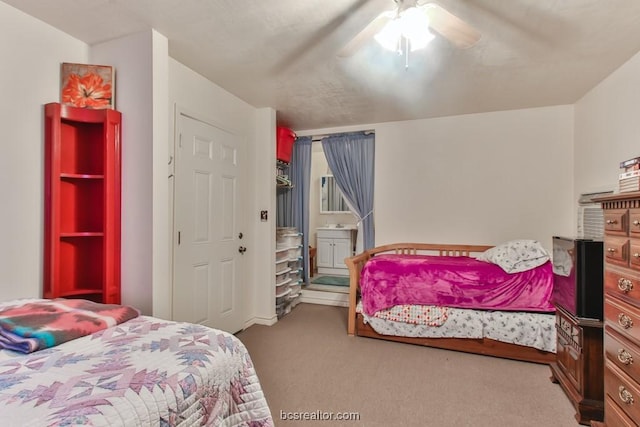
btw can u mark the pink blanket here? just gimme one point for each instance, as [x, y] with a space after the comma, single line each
[460, 282]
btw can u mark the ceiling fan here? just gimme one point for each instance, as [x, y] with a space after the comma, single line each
[412, 21]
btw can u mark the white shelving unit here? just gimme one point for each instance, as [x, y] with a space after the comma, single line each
[289, 273]
[288, 269]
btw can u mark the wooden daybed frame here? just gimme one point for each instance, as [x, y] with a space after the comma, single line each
[484, 346]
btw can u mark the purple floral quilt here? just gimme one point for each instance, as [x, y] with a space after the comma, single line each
[461, 282]
[143, 372]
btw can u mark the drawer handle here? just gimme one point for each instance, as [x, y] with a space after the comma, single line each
[636, 255]
[625, 321]
[625, 357]
[611, 250]
[612, 221]
[636, 223]
[625, 396]
[625, 285]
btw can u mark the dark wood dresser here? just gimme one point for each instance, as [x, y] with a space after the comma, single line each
[579, 366]
[622, 309]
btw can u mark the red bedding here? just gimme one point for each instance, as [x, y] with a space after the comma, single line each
[461, 282]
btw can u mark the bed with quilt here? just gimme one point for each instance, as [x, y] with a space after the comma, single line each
[75, 362]
[487, 300]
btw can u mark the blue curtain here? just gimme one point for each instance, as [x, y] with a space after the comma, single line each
[351, 159]
[292, 203]
[301, 179]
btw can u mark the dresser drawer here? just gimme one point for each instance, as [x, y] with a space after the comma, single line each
[622, 283]
[569, 359]
[634, 254]
[615, 221]
[622, 353]
[569, 330]
[616, 250]
[622, 317]
[634, 222]
[614, 416]
[622, 390]
[569, 349]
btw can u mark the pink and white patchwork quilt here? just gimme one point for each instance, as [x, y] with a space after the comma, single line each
[142, 372]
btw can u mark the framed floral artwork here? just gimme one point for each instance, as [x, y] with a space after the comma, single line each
[87, 86]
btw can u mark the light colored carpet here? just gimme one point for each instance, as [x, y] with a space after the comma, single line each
[307, 362]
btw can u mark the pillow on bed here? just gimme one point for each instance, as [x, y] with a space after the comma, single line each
[516, 256]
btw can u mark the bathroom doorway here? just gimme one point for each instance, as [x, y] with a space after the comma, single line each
[333, 227]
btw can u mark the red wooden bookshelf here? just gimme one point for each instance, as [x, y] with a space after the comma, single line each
[82, 203]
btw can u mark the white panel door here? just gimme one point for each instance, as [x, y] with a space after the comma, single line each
[208, 261]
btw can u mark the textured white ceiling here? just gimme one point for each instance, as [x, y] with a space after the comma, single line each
[282, 53]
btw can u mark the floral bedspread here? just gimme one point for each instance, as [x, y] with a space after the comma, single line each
[143, 372]
[535, 330]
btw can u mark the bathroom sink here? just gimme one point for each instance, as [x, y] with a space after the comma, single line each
[338, 226]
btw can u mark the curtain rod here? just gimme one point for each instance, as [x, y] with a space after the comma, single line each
[318, 138]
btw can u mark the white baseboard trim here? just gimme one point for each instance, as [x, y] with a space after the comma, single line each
[266, 321]
[308, 296]
[324, 298]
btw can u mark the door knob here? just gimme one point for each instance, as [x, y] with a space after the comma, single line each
[242, 250]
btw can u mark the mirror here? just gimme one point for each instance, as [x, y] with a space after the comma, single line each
[331, 200]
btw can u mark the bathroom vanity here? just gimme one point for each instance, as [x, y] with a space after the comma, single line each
[335, 243]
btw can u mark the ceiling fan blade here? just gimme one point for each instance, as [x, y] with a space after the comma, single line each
[366, 34]
[451, 27]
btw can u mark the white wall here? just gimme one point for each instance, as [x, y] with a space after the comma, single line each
[477, 178]
[29, 78]
[262, 273]
[161, 279]
[607, 128]
[141, 95]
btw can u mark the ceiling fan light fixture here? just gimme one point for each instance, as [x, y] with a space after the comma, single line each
[389, 36]
[412, 24]
[415, 28]
[420, 41]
